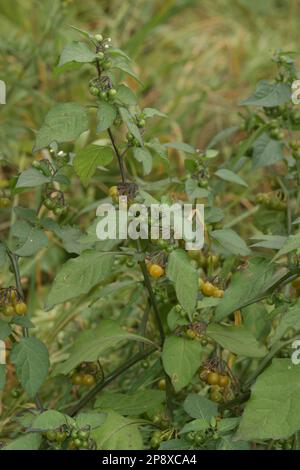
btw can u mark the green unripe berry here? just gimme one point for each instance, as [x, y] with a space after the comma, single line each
[98, 37]
[100, 55]
[77, 443]
[51, 436]
[82, 434]
[103, 95]
[141, 123]
[112, 92]
[94, 90]
[58, 211]
[107, 65]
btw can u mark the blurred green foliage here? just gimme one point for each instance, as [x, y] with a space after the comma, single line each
[196, 59]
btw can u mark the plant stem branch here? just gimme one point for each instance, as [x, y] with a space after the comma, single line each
[119, 157]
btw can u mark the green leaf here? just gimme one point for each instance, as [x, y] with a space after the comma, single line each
[78, 276]
[32, 178]
[266, 151]
[274, 242]
[158, 148]
[142, 155]
[274, 404]
[230, 176]
[90, 344]
[131, 404]
[193, 190]
[63, 123]
[126, 95]
[200, 407]
[5, 330]
[181, 146]
[269, 95]
[106, 114]
[30, 239]
[245, 286]
[3, 255]
[90, 418]
[185, 277]
[291, 244]
[30, 357]
[151, 112]
[76, 51]
[199, 424]
[121, 63]
[238, 339]
[51, 419]
[118, 433]
[2, 375]
[181, 359]
[30, 441]
[289, 319]
[88, 159]
[231, 241]
[128, 119]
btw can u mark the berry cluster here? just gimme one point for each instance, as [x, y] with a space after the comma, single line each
[11, 303]
[69, 438]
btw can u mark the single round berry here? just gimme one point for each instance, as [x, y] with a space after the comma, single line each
[212, 378]
[224, 381]
[21, 308]
[98, 37]
[112, 92]
[88, 380]
[156, 271]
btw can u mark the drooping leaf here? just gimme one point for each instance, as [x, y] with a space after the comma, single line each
[126, 95]
[291, 244]
[269, 94]
[32, 178]
[131, 125]
[30, 441]
[200, 407]
[106, 114]
[63, 123]
[89, 158]
[185, 278]
[237, 339]
[76, 51]
[274, 404]
[245, 286]
[230, 176]
[78, 276]
[181, 359]
[266, 151]
[181, 146]
[51, 419]
[118, 433]
[231, 241]
[142, 155]
[31, 360]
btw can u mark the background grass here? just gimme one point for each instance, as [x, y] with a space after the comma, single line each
[196, 59]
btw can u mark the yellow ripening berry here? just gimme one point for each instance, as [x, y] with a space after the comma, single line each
[208, 289]
[21, 308]
[296, 283]
[113, 192]
[218, 293]
[156, 271]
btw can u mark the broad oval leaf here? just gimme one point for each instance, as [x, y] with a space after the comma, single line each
[31, 360]
[63, 123]
[181, 359]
